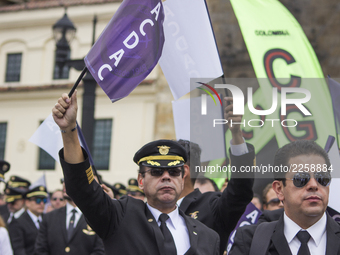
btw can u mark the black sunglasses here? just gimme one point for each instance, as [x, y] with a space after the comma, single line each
[301, 179]
[39, 200]
[274, 201]
[159, 172]
[56, 198]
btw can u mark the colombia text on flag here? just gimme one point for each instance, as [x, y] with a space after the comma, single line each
[129, 47]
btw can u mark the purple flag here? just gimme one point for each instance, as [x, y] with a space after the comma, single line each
[129, 47]
[334, 89]
[249, 217]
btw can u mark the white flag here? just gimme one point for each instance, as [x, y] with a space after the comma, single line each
[48, 137]
[40, 182]
[197, 128]
[190, 49]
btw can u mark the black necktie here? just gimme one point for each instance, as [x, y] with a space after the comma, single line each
[304, 237]
[169, 243]
[71, 225]
[38, 223]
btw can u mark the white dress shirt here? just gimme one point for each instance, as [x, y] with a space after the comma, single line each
[5, 243]
[239, 149]
[236, 150]
[35, 218]
[15, 215]
[317, 242]
[178, 228]
[69, 213]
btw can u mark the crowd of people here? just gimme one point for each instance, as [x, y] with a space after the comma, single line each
[169, 208]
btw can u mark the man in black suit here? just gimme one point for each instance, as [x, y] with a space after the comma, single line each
[157, 227]
[62, 233]
[24, 230]
[15, 190]
[219, 211]
[304, 226]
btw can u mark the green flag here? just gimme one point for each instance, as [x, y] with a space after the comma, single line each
[282, 55]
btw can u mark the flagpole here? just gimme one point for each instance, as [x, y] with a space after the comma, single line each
[80, 133]
[225, 127]
[78, 81]
[212, 29]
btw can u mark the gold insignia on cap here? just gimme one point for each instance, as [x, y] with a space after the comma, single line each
[41, 188]
[163, 150]
[118, 186]
[194, 215]
[7, 191]
[153, 163]
[4, 167]
[12, 178]
[150, 220]
[67, 249]
[173, 163]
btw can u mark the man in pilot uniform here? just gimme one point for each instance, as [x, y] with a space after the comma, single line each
[160, 227]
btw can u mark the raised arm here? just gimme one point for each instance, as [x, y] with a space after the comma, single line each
[230, 205]
[65, 115]
[235, 129]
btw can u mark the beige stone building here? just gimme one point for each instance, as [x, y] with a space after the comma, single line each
[26, 35]
[28, 91]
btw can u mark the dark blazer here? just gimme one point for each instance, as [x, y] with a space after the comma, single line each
[23, 233]
[52, 237]
[269, 216]
[221, 211]
[4, 212]
[278, 244]
[126, 225]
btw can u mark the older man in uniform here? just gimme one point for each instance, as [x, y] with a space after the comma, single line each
[160, 227]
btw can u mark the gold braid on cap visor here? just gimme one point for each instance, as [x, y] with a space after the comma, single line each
[161, 157]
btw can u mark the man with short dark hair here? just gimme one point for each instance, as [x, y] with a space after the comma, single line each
[270, 200]
[205, 184]
[156, 227]
[304, 227]
[219, 211]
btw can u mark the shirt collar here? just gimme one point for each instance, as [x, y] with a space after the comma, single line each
[179, 201]
[316, 230]
[33, 216]
[173, 216]
[18, 213]
[70, 207]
